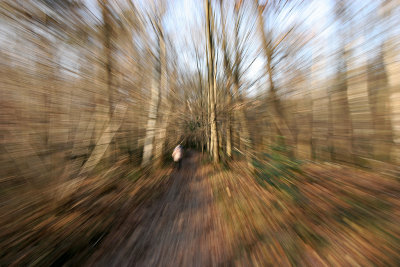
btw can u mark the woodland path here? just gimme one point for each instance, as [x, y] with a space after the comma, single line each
[180, 228]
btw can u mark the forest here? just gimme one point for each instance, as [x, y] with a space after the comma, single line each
[287, 113]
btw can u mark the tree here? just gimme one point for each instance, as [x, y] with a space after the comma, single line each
[158, 82]
[269, 47]
[212, 90]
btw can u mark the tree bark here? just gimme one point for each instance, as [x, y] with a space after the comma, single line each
[107, 47]
[393, 70]
[162, 131]
[158, 83]
[151, 121]
[228, 94]
[275, 109]
[212, 83]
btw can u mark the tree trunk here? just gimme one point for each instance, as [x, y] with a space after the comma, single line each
[107, 46]
[275, 109]
[163, 87]
[378, 90]
[228, 95]
[151, 121]
[229, 138]
[393, 76]
[212, 84]
[105, 139]
[359, 107]
[320, 111]
[157, 84]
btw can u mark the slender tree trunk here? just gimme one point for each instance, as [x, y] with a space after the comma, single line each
[163, 87]
[228, 95]
[158, 82]
[393, 70]
[212, 83]
[208, 121]
[378, 90]
[342, 124]
[303, 118]
[229, 137]
[275, 110]
[151, 121]
[46, 70]
[162, 134]
[105, 139]
[320, 112]
[239, 114]
[202, 100]
[107, 47]
[107, 31]
[360, 111]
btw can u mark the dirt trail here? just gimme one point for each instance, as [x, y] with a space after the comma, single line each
[180, 228]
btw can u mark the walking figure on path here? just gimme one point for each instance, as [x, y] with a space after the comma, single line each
[177, 155]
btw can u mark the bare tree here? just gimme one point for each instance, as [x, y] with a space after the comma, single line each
[274, 106]
[158, 82]
[212, 82]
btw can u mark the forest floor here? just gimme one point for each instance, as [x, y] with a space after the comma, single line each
[287, 213]
[321, 215]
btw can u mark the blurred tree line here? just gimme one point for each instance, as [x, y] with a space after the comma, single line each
[83, 88]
